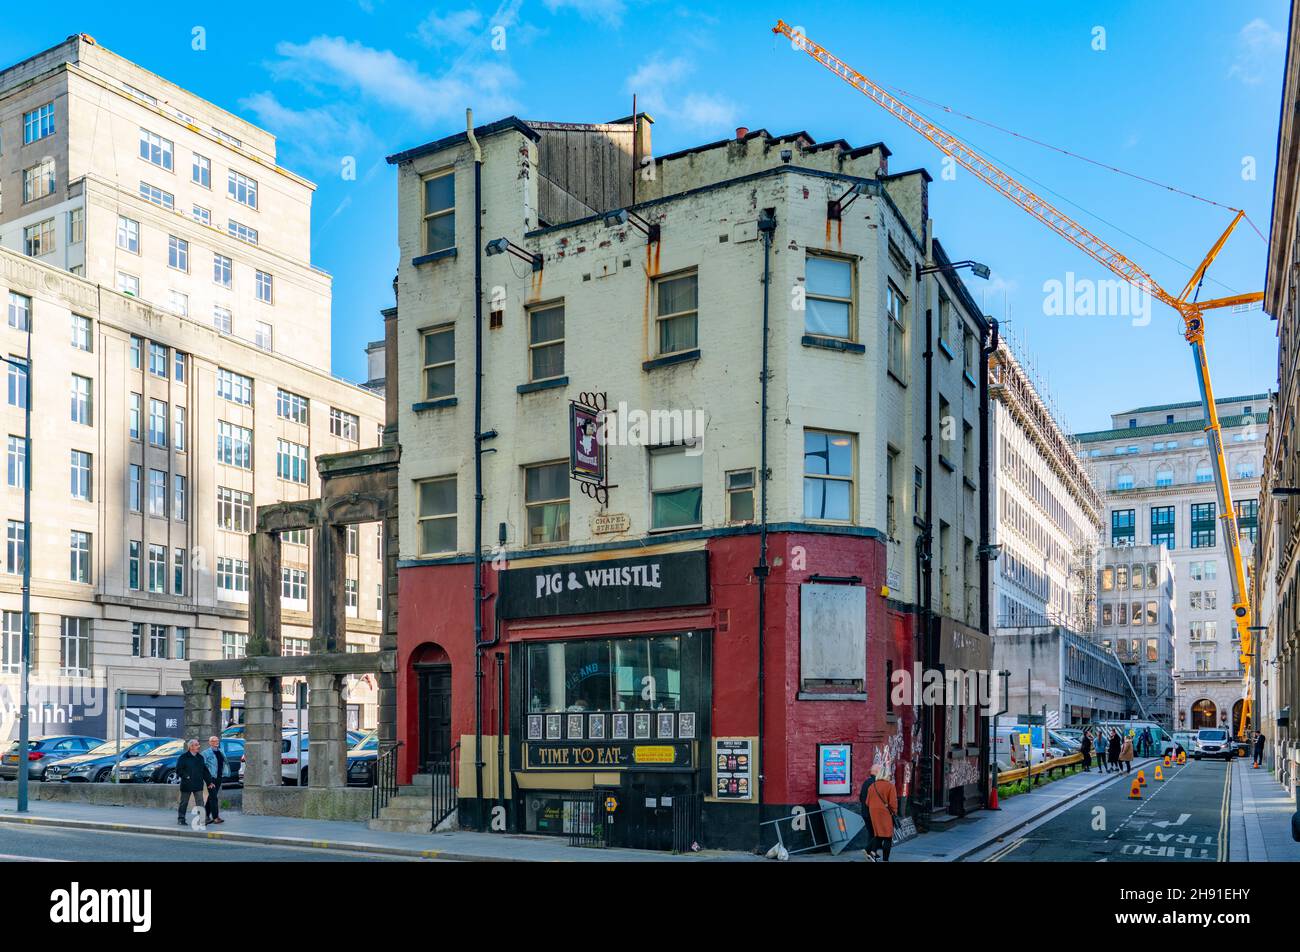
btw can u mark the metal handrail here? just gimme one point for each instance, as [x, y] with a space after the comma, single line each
[444, 781]
[384, 779]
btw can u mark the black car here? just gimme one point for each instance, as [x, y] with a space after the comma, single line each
[159, 765]
[361, 761]
[95, 766]
[42, 752]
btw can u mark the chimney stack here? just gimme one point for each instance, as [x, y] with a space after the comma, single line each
[741, 132]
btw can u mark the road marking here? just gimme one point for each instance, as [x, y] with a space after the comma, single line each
[1223, 814]
[30, 859]
[1182, 818]
[1006, 850]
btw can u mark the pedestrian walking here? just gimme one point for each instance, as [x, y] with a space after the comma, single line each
[863, 794]
[1146, 742]
[215, 761]
[1259, 748]
[1085, 751]
[1113, 749]
[194, 779]
[882, 807]
[1101, 750]
[1126, 754]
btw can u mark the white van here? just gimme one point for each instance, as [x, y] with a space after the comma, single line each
[1007, 741]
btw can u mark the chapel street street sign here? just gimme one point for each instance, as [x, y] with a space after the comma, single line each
[614, 585]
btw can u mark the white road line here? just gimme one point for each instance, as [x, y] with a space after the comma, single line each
[30, 859]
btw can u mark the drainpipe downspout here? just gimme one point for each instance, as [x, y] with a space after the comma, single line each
[926, 556]
[478, 464]
[767, 228]
[990, 343]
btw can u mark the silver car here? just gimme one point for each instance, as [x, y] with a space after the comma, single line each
[43, 751]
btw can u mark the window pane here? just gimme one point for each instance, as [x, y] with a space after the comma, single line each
[548, 361]
[547, 482]
[441, 232]
[440, 381]
[439, 193]
[438, 535]
[671, 469]
[546, 325]
[829, 276]
[827, 499]
[680, 508]
[830, 318]
[438, 347]
[677, 294]
[438, 498]
[677, 333]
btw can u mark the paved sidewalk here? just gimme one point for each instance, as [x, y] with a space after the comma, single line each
[1261, 817]
[981, 828]
[339, 835]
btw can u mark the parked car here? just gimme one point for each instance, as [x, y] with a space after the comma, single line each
[42, 752]
[95, 766]
[1186, 740]
[289, 761]
[361, 761]
[1213, 742]
[159, 765]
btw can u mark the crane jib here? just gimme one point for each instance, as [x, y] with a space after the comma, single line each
[1111, 259]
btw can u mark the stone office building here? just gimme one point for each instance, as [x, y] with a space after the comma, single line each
[656, 630]
[1155, 472]
[181, 376]
[1136, 619]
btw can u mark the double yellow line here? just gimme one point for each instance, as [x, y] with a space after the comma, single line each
[1224, 813]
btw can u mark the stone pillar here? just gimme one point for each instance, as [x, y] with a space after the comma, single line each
[202, 709]
[264, 595]
[387, 721]
[262, 731]
[327, 720]
[329, 611]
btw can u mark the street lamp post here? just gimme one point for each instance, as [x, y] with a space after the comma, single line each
[25, 651]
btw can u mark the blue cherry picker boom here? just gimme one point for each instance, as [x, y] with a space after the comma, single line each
[1185, 303]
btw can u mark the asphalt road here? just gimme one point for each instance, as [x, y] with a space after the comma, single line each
[21, 842]
[1180, 820]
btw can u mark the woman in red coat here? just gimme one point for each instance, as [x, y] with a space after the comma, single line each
[882, 807]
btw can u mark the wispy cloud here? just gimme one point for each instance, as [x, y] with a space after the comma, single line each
[319, 137]
[458, 28]
[659, 83]
[1258, 46]
[385, 79]
[608, 11]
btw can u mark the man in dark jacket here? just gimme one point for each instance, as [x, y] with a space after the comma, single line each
[1259, 748]
[1114, 748]
[194, 779]
[1085, 751]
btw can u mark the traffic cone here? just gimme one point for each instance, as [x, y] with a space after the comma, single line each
[1142, 778]
[1159, 773]
[993, 797]
[1182, 758]
[1169, 761]
[1135, 791]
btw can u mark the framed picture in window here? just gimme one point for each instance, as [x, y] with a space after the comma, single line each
[534, 727]
[618, 727]
[596, 726]
[641, 726]
[686, 726]
[575, 729]
[667, 723]
[554, 724]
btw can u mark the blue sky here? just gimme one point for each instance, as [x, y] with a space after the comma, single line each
[1183, 93]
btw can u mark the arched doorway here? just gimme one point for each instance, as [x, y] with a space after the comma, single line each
[1235, 728]
[431, 671]
[1204, 714]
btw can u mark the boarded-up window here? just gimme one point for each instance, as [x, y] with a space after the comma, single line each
[833, 637]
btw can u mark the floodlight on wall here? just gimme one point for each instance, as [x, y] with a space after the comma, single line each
[977, 269]
[500, 246]
[787, 155]
[624, 216]
[835, 206]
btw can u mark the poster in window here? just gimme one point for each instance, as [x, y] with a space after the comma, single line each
[641, 724]
[686, 726]
[553, 725]
[575, 727]
[834, 768]
[534, 727]
[667, 723]
[586, 444]
[596, 726]
[733, 769]
[618, 725]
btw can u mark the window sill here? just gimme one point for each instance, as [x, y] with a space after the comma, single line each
[968, 378]
[551, 384]
[833, 343]
[893, 376]
[830, 696]
[970, 483]
[946, 463]
[943, 346]
[660, 529]
[684, 357]
[433, 256]
[434, 404]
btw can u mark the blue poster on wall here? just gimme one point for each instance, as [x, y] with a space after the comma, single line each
[834, 768]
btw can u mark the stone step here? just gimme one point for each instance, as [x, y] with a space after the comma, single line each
[399, 826]
[395, 809]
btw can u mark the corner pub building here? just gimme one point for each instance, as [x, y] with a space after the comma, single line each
[723, 312]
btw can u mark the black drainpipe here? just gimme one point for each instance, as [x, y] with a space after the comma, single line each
[478, 467]
[767, 227]
[925, 545]
[984, 553]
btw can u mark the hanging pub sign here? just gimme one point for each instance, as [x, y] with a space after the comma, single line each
[587, 445]
[667, 580]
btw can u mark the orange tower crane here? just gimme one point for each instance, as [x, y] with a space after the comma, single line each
[1190, 310]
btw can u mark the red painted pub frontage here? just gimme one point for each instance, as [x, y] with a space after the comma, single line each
[632, 677]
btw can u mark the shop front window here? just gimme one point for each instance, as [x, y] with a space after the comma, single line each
[624, 674]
